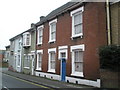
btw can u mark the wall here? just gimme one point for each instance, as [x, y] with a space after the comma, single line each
[94, 30]
[28, 51]
[115, 23]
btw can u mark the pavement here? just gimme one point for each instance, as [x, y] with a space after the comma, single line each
[43, 81]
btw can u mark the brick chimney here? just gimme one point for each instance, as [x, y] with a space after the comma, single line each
[41, 18]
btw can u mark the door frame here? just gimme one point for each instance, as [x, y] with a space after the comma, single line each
[32, 62]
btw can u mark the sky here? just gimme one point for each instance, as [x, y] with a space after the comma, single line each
[16, 16]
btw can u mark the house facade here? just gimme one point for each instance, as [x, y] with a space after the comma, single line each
[28, 55]
[15, 61]
[74, 32]
[7, 54]
[115, 22]
[2, 55]
[64, 44]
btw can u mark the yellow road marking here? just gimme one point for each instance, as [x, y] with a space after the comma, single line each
[29, 82]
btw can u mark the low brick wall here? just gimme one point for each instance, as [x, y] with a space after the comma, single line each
[110, 79]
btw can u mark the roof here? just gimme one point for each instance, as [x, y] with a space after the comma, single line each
[64, 8]
[31, 29]
[7, 46]
[58, 11]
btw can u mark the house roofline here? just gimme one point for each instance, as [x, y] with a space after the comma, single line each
[67, 9]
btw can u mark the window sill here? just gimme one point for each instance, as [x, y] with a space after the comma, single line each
[26, 45]
[38, 69]
[27, 67]
[77, 36]
[53, 41]
[79, 74]
[18, 66]
[39, 44]
[53, 71]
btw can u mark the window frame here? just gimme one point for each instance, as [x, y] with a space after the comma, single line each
[49, 60]
[40, 28]
[19, 60]
[39, 52]
[63, 49]
[25, 39]
[73, 13]
[73, 48]
[28, 60]
[50, 30]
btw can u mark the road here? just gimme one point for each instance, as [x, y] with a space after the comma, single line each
[11, 82]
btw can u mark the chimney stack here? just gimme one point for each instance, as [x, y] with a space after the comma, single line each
[32, 25]
[41, 18]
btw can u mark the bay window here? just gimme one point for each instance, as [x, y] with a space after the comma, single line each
[26, 39]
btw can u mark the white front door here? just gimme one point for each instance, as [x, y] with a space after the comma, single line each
[32, 67]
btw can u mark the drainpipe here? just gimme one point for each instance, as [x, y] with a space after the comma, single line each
[108, 22]
[35, 27]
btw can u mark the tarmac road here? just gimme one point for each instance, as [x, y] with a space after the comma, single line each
[11, 82]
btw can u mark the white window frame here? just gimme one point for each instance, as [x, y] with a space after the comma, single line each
[80, 10]
[63, 49]
[19, 62]
[49, 64]
[39, 52]
[40, 28]
[72, 48]
[25, 39]
[51, 22]
[19, 44]
[27, 67]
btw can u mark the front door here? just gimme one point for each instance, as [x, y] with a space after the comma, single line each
[63, 65]
[32, 65]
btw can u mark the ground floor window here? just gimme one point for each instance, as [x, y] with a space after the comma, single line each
[39, 59]
[77, 60]
[18, 60]
[52, 58]
[26, 61]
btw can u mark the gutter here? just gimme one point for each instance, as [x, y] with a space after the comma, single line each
[108, 22]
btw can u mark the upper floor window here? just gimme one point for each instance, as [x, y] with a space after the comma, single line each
[52, 30]
[26, 39]
[19, 44]
[40, 35]
[12, 45]
[77, 22]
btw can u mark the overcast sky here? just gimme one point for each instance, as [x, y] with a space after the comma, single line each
[16, 16]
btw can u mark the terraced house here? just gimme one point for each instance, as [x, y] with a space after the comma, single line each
[15, 61]
[73, 31]
[28, 55]
[64, 44]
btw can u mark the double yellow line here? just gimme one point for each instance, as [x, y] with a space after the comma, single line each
[29, 82]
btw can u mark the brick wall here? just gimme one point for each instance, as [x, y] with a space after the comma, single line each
[94, 36]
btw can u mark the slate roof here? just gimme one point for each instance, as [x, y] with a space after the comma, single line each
[57, 11]
[51, 15]
[11, 39]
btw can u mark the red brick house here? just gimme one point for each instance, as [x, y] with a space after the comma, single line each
[2, 55]
[73, 31]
